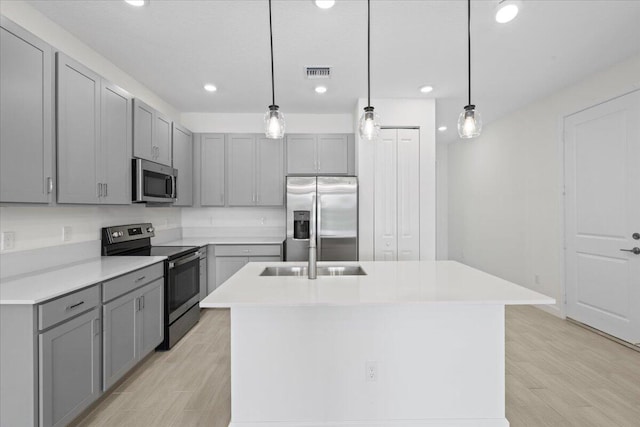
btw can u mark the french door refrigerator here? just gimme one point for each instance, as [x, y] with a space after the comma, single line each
[330, 203]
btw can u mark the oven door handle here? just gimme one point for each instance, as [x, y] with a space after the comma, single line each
[181, 261]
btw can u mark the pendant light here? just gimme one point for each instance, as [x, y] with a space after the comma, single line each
[273, 119]
[470, 121]
[369, 121]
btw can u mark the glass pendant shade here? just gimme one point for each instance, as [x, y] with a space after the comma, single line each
[273, 123]
[469, 122]
[369, 124]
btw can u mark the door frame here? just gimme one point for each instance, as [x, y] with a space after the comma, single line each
[563, 200]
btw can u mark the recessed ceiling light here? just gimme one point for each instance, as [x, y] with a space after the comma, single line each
[426, 89]
[325, 4]
[136, 3]
[507, 10]
[320, 89]
[442, 128]
[210, 88]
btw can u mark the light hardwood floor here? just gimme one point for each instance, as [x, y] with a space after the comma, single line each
[557, 374]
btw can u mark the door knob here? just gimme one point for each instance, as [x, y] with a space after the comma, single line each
[635, 250]
[636, 236]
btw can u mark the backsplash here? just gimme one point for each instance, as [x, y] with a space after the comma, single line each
[263, 221]
[42, 226]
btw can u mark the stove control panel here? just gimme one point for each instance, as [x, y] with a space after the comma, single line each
[127, 233]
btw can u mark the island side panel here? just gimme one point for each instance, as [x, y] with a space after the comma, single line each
[293, 365]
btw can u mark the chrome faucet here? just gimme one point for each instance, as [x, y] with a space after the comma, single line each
[311, 267]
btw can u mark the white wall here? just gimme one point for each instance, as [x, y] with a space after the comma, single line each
[400, 112]
[32, 20]
[442, 202]
[41, 226]
[505, 202]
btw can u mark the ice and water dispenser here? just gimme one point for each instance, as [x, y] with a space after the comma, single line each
[301, 224]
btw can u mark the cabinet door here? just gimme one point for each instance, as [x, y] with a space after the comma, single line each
[115, 145]
[119, 337]
[69, 368]
[212, 165]
[78, 132]
[227, 267]
[151, 317]
[26, 115]
[301, 155]
[333, 154]
[385, 197]
[162, 139]
[269, 172]
[143, 131]
[408, 212]
[183, 162]
[241, 170]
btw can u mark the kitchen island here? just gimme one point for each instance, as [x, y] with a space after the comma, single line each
[411, 343]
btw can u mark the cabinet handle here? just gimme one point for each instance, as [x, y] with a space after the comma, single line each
[96, 327]
[139, 279]
[138, 304]
[142, 302]
[106, 190]
[49, 185]
[76, 305]
[99, 189]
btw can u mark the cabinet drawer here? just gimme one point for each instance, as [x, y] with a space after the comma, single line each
[247, 250]
[68, 306]
[123, 284]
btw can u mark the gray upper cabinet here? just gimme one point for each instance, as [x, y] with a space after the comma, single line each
[328, 154]
[94, 137]
[212, 170]
[241, 170]
[183, 161]
[78, 132]
[255, 174]
[151, 134]
[269, 171]
[115, 145]
[69, 368]
[26, 116]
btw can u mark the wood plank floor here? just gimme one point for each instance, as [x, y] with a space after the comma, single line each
[557, 374]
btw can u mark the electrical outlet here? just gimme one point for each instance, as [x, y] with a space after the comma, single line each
[262, 220]
[66, 233]
[8, 240]
[371, 371]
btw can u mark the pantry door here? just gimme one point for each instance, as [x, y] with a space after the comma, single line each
[602, 223]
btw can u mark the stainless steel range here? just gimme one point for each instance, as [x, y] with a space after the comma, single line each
[181, 275]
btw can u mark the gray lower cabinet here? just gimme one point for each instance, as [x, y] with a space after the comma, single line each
[255, 173]
[69, 368]
[320, 154]
[212, 169]
[183, 162]
[204, 289]
[151, 134]
[26, 116]
[133, 327]
[94, 137]
[231, 258]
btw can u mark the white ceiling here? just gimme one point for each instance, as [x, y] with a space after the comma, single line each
[174, 47]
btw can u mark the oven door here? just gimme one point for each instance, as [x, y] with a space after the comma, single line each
[153, 182]
[183, 289]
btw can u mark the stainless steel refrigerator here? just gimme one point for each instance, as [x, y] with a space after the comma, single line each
[333, 202]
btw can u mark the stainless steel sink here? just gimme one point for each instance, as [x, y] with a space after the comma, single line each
[325, 270]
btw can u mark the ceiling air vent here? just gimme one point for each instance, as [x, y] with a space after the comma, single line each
[318, 72]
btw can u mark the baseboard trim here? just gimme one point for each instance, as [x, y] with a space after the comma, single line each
[551, 309]
[605, 335]
[466, 422]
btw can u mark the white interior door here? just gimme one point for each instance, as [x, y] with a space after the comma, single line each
[602, 207]
[408, 194]
[385, 197]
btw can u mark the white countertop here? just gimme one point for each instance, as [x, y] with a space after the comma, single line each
[404, 282]
[41, 286]
[203, 241]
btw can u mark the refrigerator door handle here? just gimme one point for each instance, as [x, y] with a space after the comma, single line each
[318, 199]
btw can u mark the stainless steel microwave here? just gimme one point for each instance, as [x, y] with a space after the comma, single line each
[153, 182]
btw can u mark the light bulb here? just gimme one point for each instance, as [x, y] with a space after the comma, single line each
[506, 11]
[469, 122]
[369, 124]
[325, 4]
[274, 123]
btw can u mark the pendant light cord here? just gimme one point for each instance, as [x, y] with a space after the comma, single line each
[273, 90]
[368, 53]
[469, 50]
